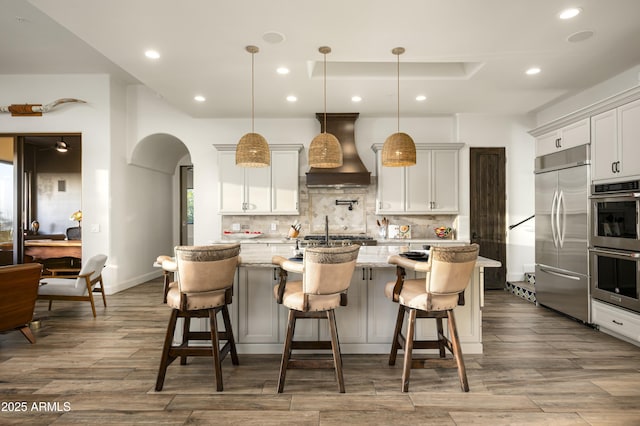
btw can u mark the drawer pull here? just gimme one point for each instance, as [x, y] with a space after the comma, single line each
[617, 322]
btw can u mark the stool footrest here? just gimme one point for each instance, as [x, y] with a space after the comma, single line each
[311, 345]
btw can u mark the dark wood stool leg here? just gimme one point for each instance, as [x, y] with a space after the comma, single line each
[286, 352]
[457, 351]
[186, 325]
[168, 339]
[441, 338]
[26, 332]
[215, 348]
[397, 333]
[229, 332]
[408, 349]
[335, 347]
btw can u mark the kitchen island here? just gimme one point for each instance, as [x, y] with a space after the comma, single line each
[365, 325]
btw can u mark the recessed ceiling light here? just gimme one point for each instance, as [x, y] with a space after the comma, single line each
[152, 54]
[570, 13]
[273, 37]
[421, 98]
[356, 98]
[580, 36]
[199, 98]
[283, 70]
[533, 71]
[291, 98]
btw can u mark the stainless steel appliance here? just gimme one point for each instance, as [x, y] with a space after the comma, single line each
[615, 208]
[562, 218]
[615, 277]
[615, 243]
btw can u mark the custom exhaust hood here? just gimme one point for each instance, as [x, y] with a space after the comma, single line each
[352, 172]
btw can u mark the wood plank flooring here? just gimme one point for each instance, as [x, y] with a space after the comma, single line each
[538, 368]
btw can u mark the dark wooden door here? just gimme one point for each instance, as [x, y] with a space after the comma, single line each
[487, 206]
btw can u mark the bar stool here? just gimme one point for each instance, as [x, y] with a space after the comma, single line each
[169, 268]
[326, 275]
[448, 272]
[204, 288]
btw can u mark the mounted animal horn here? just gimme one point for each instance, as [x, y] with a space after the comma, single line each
[36, 110]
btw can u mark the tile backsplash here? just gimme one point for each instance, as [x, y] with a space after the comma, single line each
[316, 203]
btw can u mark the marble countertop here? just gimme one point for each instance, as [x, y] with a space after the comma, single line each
[386, 242]
[369, 256]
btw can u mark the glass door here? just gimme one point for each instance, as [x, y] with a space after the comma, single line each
[8, 255]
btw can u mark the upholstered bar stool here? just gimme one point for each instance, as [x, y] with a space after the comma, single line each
[204, 288]
[448, 271]
[169, 268]
[326, 275]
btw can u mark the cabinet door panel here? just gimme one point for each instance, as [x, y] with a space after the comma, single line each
[575, 134]
[351, 320]
[546, 144]
[258, 187]
[284, 182]
[604, 150]
[445, 181]
[231, 183]
[258, 311]
[418, 183]
[382, 312]
[391, 194]
[629, 126]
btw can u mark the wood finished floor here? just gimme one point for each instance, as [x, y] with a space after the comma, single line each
[538, 368]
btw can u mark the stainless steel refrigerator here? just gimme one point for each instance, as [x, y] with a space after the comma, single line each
[562, 217]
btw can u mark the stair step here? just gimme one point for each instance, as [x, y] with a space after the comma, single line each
[523, 289]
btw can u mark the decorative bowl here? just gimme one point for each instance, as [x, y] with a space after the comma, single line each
[442, 232]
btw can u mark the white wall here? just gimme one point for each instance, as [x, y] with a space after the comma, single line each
[510, 132]
[600, 91]
[92, 120]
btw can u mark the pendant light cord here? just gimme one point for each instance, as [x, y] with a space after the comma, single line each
[398, 74]
[325, 92]
[252, 90]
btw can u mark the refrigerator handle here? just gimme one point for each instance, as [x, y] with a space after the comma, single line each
[558, 274]
[553, 218]
[561, 211]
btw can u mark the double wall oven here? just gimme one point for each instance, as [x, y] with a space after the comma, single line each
[615, 243]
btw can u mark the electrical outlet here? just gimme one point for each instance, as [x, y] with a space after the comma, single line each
[235, 227]
[274, 226]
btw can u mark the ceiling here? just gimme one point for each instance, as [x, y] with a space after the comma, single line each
[465, 56]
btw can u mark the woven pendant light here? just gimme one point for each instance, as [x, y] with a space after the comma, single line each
[399, 149]
[325, 151]
[252, 149]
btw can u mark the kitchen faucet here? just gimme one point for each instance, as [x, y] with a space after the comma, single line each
[326, 229]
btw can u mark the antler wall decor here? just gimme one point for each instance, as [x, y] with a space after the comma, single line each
[35, 110]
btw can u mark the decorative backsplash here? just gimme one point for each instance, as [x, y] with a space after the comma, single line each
[316, 203]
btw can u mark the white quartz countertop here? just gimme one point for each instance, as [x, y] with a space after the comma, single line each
[386, 242]
[253, 255]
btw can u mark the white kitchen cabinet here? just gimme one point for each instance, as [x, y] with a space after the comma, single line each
[257, 308]
[429, 187]
[382, 312]
[615, 148]
[284, 182]
[260, 190]
[574, 134]
[616, 321]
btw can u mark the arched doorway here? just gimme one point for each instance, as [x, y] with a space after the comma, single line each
[168, 155]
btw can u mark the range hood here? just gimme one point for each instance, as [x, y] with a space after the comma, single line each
[352, 172]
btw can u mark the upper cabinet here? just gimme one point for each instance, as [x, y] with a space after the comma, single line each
[566, 137]
[429, 187]
[616, 143]
[261, 190]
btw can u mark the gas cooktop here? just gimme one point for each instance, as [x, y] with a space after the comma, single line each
[336, 239]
